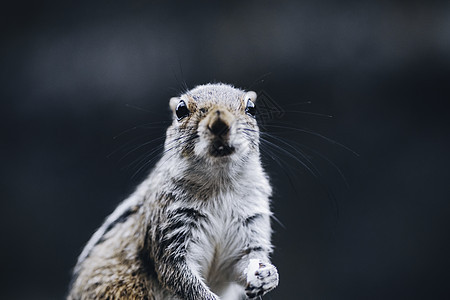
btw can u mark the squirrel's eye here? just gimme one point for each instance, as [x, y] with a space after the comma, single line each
[182, 111]
[250, 109]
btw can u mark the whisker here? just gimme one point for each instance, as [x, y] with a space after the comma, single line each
[278, 221]
[141, 126]
[327, 160]
[163, 153]
[285, 167]
[161, 146]
[297, 104]
[310, 167]
[144, 156]
[138, 108]
[303, 146]
[140, 146]
[290, 155]
[138, 127]
[126, 145]
[260, 79]
[315, 134]
[299, 112]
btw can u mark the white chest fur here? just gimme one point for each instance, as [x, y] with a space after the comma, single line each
[218, 241]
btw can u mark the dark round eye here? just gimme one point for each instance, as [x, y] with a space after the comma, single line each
[182, 111]
[250, 109]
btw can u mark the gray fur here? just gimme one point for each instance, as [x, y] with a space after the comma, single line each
[191, 228]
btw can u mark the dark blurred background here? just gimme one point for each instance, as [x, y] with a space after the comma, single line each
[78, 78]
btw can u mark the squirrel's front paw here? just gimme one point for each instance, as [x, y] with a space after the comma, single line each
[261, 278]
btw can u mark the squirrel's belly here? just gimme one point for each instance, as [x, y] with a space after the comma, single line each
[214, 251]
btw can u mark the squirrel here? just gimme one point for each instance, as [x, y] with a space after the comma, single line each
[198, 227]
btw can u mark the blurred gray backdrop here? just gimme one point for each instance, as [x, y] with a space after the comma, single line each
[79, 78]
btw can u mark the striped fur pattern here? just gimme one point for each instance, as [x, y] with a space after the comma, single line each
[191, 228]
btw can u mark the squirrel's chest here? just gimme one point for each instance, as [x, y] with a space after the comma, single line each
[217, 243]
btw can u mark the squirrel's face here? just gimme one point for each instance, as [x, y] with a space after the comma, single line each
[214, 122]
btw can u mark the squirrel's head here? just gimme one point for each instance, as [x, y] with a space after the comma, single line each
[214, 122]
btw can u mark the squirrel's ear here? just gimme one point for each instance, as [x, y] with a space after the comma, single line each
[250, 95]
[173, 103]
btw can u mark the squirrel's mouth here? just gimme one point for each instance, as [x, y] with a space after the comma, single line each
[220, 149]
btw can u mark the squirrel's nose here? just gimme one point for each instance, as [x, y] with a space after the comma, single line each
[218, 126]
